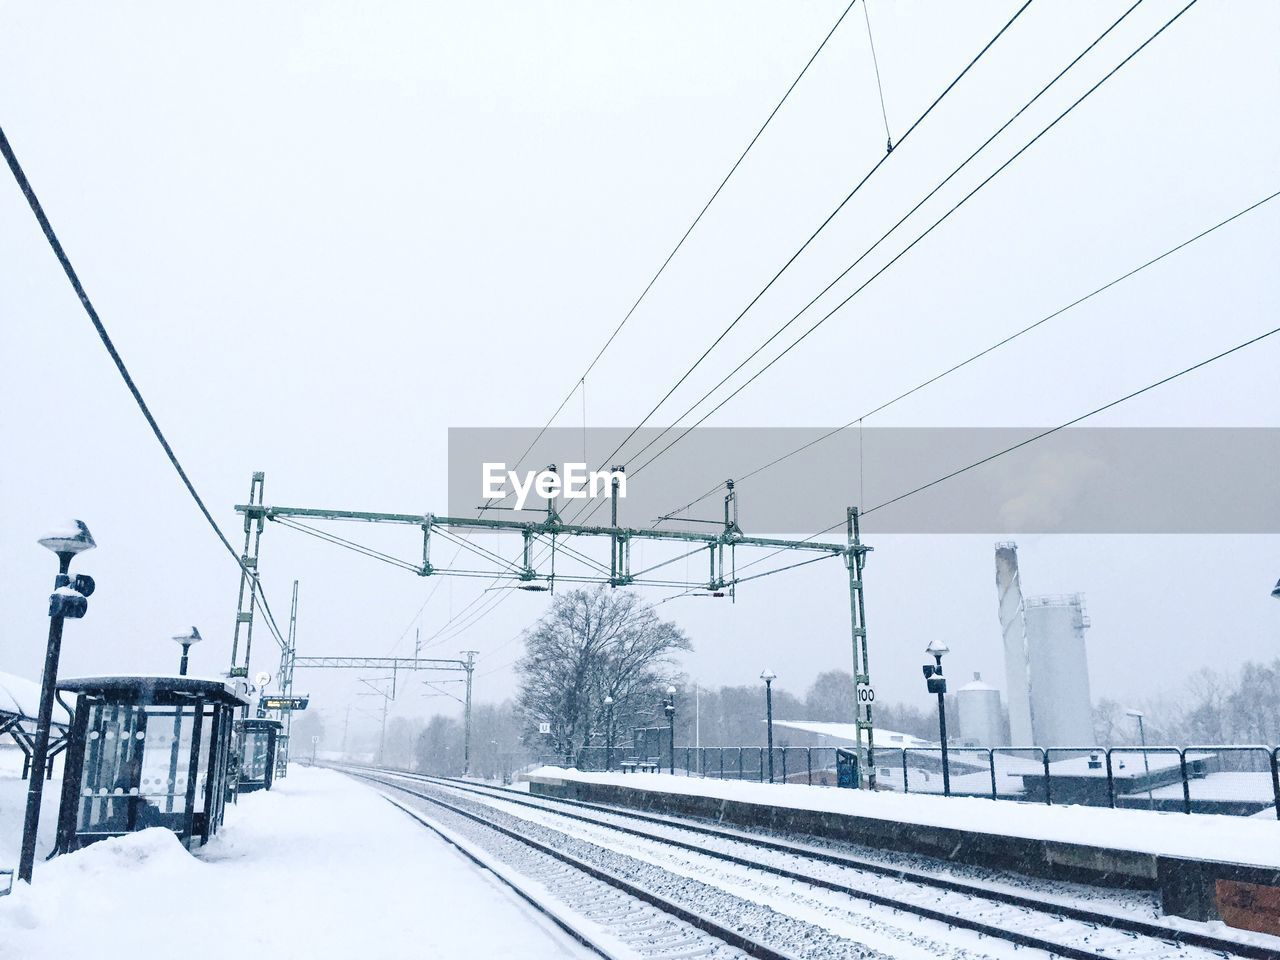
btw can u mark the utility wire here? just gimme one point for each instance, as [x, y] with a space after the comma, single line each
[1041, 435]
[983, 352]
[501, 598]
[1062, 426]
[683, 237]
[884, 236]
[47, 228]
[737, 390]
[813, 236]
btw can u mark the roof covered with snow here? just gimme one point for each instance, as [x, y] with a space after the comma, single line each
[21, 696]
[848, 733]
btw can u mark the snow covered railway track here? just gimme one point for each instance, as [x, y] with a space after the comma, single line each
[1020, 921]
[623, 922]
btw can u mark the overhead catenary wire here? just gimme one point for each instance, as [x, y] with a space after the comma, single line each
[503, 597]
[818, 323]
[683, 237]
[814, 235]
[884, 236]
[24, 184]
[580, 383]
[1070, 423]
[1252, 341]
[985, 351]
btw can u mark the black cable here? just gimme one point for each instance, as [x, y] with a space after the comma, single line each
[906, 249]
[984, 352]
[47, 228]
[1039, 436]
[685, 236]
[804, 246]
[884, 236]
[1074, 421]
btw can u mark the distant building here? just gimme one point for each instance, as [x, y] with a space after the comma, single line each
[1046, 667]
[981, 718]
[1061, 710]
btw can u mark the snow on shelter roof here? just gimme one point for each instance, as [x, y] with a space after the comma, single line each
[157, 689]
[21, 697]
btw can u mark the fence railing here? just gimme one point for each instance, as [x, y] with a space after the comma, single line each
[1227, 779]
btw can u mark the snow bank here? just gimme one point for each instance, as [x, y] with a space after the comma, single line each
[1203, 836]
[13, 809]
[320, 866]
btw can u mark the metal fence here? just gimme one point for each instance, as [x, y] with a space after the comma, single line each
[1224, 779]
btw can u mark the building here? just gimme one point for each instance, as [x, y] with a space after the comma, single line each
[981, 718]
[1046, 667]
[1061, 710]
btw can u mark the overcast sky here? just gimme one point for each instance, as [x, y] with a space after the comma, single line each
[322, 238]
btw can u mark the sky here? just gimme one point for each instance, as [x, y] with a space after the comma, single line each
[322, 238]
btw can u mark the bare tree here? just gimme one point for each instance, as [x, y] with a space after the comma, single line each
[589, 646]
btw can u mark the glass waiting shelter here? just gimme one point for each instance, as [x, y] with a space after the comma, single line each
[146, 752]
[259, 740]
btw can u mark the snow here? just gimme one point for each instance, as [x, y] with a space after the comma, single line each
[1203, 836]
[848, 733]
[22, 696]
[320, 866]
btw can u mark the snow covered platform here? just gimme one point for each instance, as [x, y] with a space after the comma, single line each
[1197, 862]
[320, 866]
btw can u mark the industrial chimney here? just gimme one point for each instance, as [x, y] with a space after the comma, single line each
[1013, 627]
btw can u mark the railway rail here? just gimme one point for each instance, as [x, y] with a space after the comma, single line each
[809, 895]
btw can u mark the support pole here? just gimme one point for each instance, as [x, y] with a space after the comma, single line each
[470, 667]
[855, 559]
[768, 699]
[253, 523]
[44, 718]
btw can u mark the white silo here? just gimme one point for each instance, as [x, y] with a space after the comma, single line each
[981, 722]
[1061, 711]
[1014, 636]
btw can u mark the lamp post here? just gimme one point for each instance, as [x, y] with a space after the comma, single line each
[768, 676]
[937, 683]
[186, 640]
[608, 734]
[68, 600]
[1146, 766]
[669, 708]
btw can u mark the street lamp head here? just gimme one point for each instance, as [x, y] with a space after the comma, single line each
[187, 639]
[1136, 714]
[768, 676]
[671, 691]
[1276, 592]
[937, 648]
[608, 701]
[69, 537]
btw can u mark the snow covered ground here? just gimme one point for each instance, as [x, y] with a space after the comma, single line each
[1205, 836]
[320, 866]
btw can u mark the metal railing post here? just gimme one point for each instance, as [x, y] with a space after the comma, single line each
[760, 767]
[741, 774]
[808, 765]
[784, 764]
[1111, 782]
[991, 759]
[1047, 798]
[906, 788]
[1186, 784]
[1275, 778]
